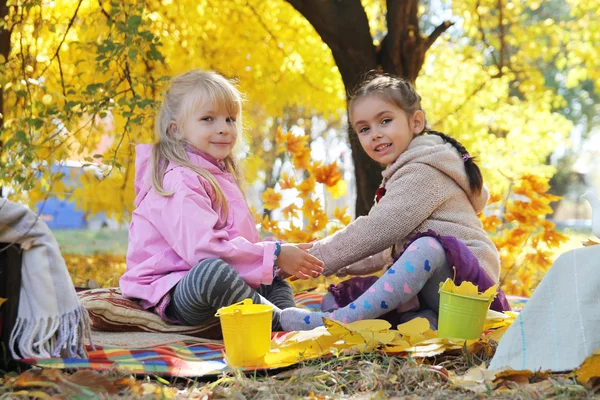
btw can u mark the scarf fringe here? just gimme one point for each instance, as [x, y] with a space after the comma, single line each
[61, 336]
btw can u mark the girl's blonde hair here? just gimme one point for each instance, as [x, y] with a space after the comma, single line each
[186, 93]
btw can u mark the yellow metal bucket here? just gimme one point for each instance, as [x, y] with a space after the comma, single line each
[246, 332]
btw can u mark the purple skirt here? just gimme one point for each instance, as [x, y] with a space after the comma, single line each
[458, 255]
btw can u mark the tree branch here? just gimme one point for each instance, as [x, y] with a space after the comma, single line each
[62, 78]
[71, 21]
[437, 32]
[483, 36]
[502, 35]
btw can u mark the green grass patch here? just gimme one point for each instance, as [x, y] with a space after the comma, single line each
[86, 242]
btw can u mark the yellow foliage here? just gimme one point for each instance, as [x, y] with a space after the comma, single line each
[329, 175]
[75, 85]
[105, 269]
[589, 371]
[287, 182]
[271, 199]
[342, 215]
[306, 187]
[338, 190]
[522, 235]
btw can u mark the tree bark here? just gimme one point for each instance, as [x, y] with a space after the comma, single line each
[344, 27]
[5, 51]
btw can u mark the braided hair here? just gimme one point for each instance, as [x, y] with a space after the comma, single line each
[403, 94]
[471, 168]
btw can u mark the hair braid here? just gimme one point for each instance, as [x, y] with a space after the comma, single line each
[473, 171]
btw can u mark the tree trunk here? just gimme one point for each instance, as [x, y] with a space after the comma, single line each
[5, 51]
[344, 27]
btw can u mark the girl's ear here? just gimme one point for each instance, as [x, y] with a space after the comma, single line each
[173, 131]
[418, 122]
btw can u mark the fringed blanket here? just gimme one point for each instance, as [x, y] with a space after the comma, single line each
[50, 321]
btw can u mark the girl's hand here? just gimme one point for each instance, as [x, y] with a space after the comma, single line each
[295, 261]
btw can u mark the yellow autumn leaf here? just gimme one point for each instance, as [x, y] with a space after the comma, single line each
[339, 189]
[329, 175]
[365, 339]
[301, 158]
[2, 301]
[468, 289]
[289, 211]
[287, 182]
[306, 187]
[341, 214]
[414, 327]
[271, 199]
[589, 371]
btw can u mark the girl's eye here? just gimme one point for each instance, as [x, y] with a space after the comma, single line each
[363, 129]
[207, 119]
[386, 121]
[231, 119]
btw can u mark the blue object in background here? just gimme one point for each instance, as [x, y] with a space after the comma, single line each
[61, 213]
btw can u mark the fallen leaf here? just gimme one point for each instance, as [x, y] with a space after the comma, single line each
[37, 394]
[375, 325]
[482, 349]
[32, 379]
[589, 371]
[149, 388]
[590, 242]
[93, 380]
[2, 300]
[414, 327]
[477, 379]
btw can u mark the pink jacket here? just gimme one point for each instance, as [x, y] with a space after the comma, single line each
[170, 235]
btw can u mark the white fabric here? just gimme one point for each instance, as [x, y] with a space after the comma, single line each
[50, 320]
[560, 325]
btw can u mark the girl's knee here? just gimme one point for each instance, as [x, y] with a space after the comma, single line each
[212, 264]
[431, 249]
[211, 269]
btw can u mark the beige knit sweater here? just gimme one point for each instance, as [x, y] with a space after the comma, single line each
[426, 188]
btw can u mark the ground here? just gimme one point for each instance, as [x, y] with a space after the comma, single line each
[349, 376]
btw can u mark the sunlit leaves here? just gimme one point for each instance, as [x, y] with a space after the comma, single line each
[521, 233]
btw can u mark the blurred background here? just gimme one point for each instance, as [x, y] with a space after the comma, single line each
[517, 82]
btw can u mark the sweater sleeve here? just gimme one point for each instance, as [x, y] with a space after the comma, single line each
[368, 265]
[412, 195]
[189, 224]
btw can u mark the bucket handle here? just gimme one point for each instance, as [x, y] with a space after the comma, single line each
[245, 302]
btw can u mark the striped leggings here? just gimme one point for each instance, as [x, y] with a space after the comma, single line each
[213, 284]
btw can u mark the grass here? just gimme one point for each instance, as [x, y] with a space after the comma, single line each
[114, 242]
[349, 376]
[86, 242]
[380, 376]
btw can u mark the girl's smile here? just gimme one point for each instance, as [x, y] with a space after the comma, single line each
[211, 129]
[383, 128]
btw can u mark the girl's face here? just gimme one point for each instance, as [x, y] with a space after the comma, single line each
[384, 129]
[210, 129]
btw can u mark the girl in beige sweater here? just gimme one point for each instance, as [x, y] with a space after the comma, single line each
[424, 221]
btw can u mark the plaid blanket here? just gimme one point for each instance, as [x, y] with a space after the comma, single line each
[177, 359]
